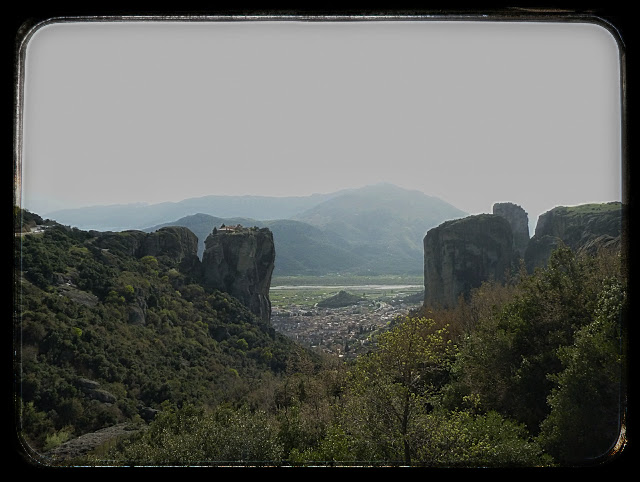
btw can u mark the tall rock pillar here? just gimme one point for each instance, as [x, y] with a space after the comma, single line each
[460, 254]
[240, 261]
[519, 221]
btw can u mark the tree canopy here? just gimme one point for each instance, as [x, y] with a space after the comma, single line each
[530, 372]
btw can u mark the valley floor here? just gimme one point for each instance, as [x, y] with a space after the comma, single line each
[342, 331]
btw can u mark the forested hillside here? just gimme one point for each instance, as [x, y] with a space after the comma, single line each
[103, 337]
[526, 374]
[529, 372]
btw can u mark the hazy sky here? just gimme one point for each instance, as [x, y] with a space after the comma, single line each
[471, 112]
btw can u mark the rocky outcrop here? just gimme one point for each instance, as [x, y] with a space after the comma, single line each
[81, 446]
[240, 261]
[178, 245]
[519, 221]
[91, 389]
[584, 228]
[460, 254]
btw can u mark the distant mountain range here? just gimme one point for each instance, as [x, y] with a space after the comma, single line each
[120, 217]
[373, 230]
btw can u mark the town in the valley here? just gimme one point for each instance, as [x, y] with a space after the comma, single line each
[345, 327]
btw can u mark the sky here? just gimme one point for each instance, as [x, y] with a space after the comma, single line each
[472, 112]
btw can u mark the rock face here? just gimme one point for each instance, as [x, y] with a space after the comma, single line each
[84, 444]
[177, 244]
[587, 227]
[519, 221]
[240, 261]
[460, 254]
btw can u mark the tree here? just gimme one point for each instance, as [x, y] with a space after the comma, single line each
[587, 404]
[390, 388]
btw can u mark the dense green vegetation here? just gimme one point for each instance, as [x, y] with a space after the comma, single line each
[526, 373]
[141, 329]
[546, 351]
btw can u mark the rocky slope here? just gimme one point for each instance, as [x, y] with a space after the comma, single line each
[301, 249]
[85, 444]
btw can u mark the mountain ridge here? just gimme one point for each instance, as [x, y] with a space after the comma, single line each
[372, 230]
[119, 217]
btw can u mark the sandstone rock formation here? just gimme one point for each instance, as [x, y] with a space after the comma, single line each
[587, 227]
[460, 254]
[519, 221]
[240, 262]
